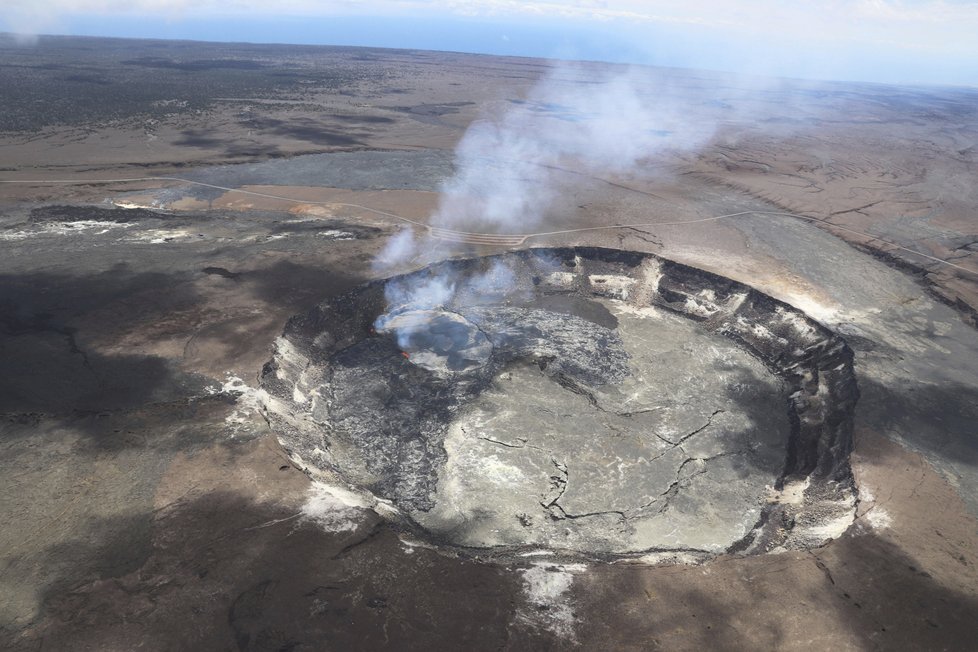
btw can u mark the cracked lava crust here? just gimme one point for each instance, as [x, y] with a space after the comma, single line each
[586, 401]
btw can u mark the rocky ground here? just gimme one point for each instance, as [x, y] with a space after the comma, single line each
[149, 503]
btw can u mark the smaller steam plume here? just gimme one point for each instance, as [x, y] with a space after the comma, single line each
[422, 315]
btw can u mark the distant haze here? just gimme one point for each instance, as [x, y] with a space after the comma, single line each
[924, 41]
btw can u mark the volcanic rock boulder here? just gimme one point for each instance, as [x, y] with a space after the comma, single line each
[589, 401]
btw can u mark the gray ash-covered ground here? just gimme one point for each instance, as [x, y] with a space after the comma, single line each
[364, 170]
[639, 406]
[395, 409]
[146, 511]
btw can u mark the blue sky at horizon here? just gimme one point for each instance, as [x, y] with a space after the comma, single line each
[921, 41]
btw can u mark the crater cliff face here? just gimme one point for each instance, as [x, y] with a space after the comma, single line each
[592, 401]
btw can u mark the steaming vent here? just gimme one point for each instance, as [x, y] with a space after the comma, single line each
[591, 402]
[437, 340]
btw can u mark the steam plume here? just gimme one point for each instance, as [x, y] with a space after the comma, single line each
[511, 166]
[577, 118]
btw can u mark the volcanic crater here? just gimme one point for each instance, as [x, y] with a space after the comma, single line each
[583, 401]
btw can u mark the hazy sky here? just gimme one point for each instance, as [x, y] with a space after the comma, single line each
[930, 41]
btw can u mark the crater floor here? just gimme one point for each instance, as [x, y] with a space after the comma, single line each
[680, 454]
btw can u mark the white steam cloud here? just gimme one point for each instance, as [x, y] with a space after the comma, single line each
[511, 168]
[429, 320]
[578, 119]
[574, 118]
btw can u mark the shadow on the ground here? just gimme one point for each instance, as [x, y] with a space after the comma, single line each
[225, 573]
[937, 419]
[48, 322]
[45, 365]
[299, 287]
[871, 595]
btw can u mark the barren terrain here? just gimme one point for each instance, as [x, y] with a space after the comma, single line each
[176, 204]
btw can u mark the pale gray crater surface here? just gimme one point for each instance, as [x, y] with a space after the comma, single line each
[585, 400]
